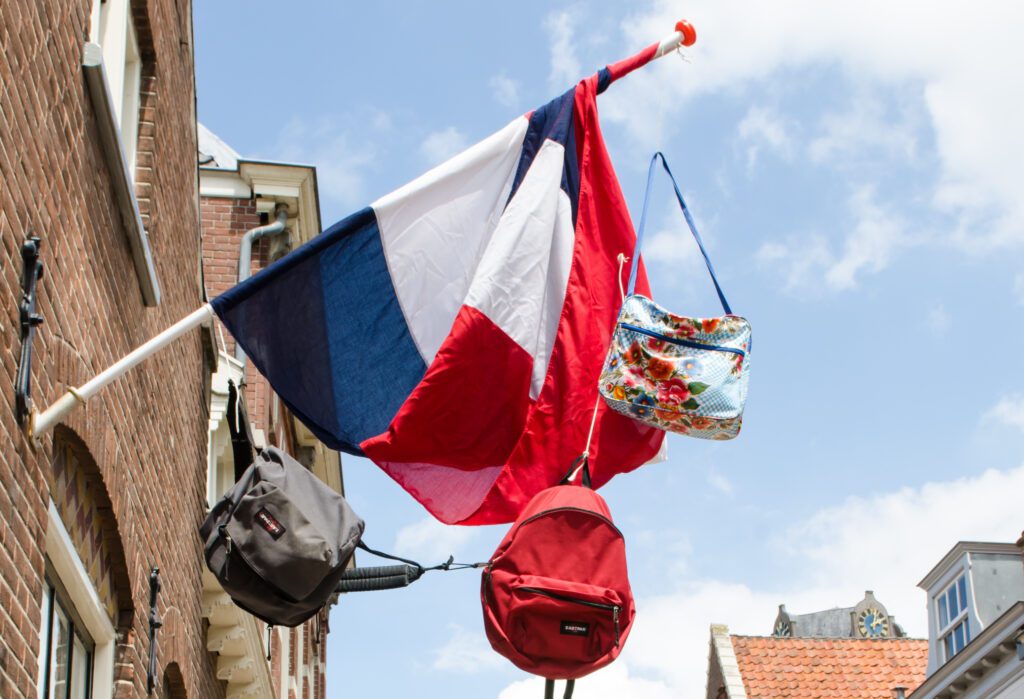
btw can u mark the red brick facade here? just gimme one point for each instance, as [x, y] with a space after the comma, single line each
[138, 479]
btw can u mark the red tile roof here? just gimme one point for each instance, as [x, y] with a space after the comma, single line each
[816, 668]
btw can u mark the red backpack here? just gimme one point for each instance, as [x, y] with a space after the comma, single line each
[556, 594]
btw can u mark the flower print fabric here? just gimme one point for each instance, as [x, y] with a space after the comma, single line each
[681, 374]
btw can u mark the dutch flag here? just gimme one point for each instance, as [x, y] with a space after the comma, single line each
[454, 330]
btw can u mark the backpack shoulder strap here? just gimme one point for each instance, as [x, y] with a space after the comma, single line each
[549, 689]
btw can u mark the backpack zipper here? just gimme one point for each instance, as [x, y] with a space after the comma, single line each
[544, 513]
[613, 608]
[685, 343]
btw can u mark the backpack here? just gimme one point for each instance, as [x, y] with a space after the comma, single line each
[280, 540]
[555, 594]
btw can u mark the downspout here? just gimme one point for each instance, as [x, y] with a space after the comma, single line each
[245, 256]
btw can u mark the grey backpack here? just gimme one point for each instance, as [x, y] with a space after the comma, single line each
[280, 540]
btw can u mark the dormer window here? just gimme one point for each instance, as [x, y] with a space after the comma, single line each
[954, 627]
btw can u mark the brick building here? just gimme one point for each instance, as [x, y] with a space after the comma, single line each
[98, 144]
[254, 212]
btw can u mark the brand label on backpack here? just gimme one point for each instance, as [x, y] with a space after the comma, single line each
[270, 523]
[575, 628]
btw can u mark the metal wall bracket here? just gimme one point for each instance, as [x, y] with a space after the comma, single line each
[154, 624]
[31, 272]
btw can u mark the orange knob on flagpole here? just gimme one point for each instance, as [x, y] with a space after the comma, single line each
[688, 32]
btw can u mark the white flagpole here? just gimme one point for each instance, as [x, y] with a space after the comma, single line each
[40, 423]
[683, 36]
[44, 421]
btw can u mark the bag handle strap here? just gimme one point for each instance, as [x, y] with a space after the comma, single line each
[391, 577]
[689, 222]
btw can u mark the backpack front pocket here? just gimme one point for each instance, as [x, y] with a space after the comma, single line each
[563, 620]
[276, 540]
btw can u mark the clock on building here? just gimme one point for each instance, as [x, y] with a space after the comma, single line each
[873, 623]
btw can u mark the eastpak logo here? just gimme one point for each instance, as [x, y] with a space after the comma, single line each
[575, 628]
[270, 523]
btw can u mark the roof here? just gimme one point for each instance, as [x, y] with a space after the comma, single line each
[224, 157]
[850, 668]
[831, 623]
[962, 547]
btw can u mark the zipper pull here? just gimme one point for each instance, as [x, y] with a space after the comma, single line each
[227, 540]
[615, 616]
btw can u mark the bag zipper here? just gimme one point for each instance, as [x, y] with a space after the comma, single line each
[613, 608]
[684, 343]
[544, 513]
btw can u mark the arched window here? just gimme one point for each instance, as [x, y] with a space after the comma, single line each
[85, 593]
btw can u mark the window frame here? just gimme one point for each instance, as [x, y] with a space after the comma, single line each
[112, 63]
[958, 590]
[68, 583]
[56, 598]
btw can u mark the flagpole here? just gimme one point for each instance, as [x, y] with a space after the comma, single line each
[42, 422]
[684, 35]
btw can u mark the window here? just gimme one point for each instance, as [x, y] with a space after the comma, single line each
[66, 651]
[954, 628]
[114, 30]
[76, 638]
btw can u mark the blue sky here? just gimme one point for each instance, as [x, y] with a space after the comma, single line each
[856, 173]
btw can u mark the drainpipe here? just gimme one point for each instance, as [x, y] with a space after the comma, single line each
[245, 255]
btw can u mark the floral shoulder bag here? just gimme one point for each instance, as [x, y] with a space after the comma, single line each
[677, 373]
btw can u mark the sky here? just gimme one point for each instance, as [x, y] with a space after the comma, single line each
[855, 169]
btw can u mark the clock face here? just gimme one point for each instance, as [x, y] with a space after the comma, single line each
[873, 624]
[782, 629]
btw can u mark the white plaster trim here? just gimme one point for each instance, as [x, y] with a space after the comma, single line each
[69, 568]
[722, 642]
[248, 673]
[988, 644]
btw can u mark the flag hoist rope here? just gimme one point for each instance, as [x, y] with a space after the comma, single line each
[40, 423]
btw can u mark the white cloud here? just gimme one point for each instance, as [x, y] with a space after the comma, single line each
[970, 96]
[611, 682]
[868, 248]
[1008, 411]
[340, 156]
[505, 90]
[762, 129]
[871, 244]
[939, 321]
[561, 27]
[885, 542]
[864, 129]
[441, 145]
[719, 482]
[428, 540]
[466, 652]
[798, 261]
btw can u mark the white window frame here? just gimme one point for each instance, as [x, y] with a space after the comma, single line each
[114, 30]
[113, 70]
[82, 596]
[962, 616]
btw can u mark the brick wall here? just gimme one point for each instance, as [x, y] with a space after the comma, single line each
[147, 432]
